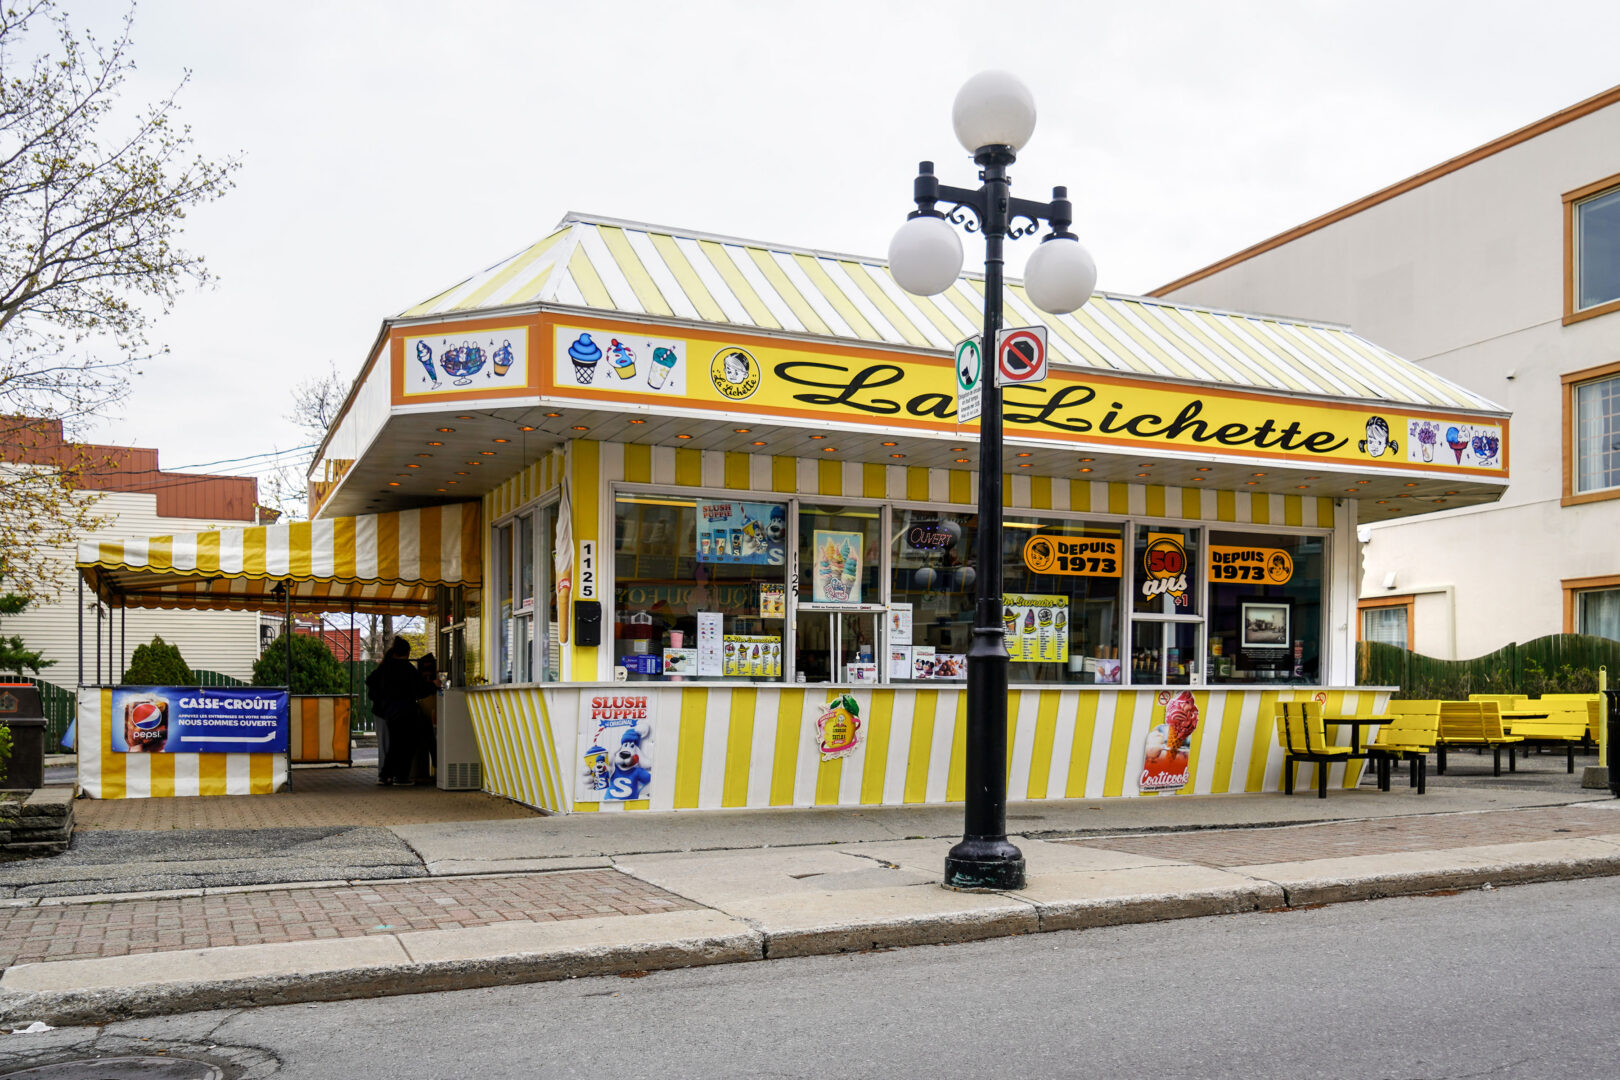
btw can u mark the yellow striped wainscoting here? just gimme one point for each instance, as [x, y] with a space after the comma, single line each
[318, 729]
[107, 774]
[733, 471]
[538, 479]
[715, 747]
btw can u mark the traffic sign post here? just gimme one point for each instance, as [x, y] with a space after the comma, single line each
[1021, 356]
[969, 379]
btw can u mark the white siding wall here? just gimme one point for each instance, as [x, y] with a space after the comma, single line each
[1465, 275]
[226, 641]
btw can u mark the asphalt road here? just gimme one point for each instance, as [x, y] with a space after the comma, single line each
[1516, 982]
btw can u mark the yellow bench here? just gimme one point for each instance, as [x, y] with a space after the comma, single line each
[1303, 738]
[1474, 723]
[1568, 728]
[1589, 705]
[1410, 734]
[1503, 701]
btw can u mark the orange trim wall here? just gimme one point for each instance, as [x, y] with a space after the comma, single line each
[1577, 585]
[1571, 497]
[1570, 199]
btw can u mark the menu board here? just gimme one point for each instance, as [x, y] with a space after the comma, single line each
[899, 624]
[772, 601]
[1037, 628]
[752, 655]
[710, 649]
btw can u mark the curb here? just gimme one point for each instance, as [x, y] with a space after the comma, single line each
[513, 953]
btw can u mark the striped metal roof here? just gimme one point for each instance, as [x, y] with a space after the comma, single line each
[637, 269]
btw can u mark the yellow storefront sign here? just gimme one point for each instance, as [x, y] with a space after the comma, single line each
[1076, 556]
[1255, 565]
[600, 361]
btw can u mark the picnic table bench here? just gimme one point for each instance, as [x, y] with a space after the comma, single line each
[1567, 729]
[1474, 723]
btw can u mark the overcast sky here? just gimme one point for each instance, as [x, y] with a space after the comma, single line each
[392, 148]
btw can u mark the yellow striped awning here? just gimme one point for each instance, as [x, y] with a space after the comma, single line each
[688, 277]
[378, 563]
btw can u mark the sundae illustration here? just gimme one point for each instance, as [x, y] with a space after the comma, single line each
[1165, 763]
[424, 356]
[1486, 446]
[838, 727]
[1378, 440]
[623, 358]
[462, 362]
[663, 362]
[585, 354]
[503, 358]
[1045, 617]
[1457, 439]
[1426, 434]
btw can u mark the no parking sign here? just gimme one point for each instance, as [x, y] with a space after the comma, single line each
[1021, 356]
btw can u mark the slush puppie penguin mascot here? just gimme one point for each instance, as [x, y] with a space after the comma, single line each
[629, 777]
[1378, 440]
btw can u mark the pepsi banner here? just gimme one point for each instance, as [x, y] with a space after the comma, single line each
[199, 720]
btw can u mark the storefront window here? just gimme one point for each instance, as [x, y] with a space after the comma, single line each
[931, 591]
[1061, 585]
[839, 553]
[700, 588]
[515, 584]
[1265, 607]
[503, 592]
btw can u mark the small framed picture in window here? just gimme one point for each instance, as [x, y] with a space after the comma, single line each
[1265, 624]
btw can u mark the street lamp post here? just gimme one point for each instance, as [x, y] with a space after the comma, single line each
[994, 115]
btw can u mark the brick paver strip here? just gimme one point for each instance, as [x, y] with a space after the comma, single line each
[1383, 836]
[319, 797]
[124, 927]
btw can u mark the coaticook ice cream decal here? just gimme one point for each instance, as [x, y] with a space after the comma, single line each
[1168, 752]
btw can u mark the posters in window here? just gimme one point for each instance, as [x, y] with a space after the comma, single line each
[899, 624]
[617, 731]
[710, 646]
[1037, 628]
[732, 531]
[1167, 755]
[835, 567]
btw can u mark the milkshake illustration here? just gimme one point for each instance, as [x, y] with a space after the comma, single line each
[623, 357]
[585, 354]
[503, 358]
[424, 356]
[663, 362]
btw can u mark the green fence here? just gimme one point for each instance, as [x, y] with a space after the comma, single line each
[1556, 664]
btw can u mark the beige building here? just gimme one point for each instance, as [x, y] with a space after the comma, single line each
[1500, 270]
[137, 499]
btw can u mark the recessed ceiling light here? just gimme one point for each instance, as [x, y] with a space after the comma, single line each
[1257, 474]
[554, 415]
[1088, 459]
[1352, 491]
[1085, 470]
[412, 465]
[423, 453]
[452, 481]
[1301, 487]
[897, 455]
[818, 436]
[1025, 465]
[1451, 493]
[462, 472]
[1025, 454]
[891, 444]
[1363, 481]
[393, 483]
[1410, 484]
[742, 430]
[581, 427]
[756, 444]
[1439, 500]
[1145, 465]
[475, 462]
[406, 473]
[960, 460]
[1196, 479]
[448, 430]
[526, 427]
[487, 453]
[1203, 468]
[503, 440]
[1381, 502]
[957, 449]
[828, 449]
[441, 489]
[435, 444]
[1141, 474]
[1251, 483]
[638, 421]
[1313, 478]
[683, 436]
[463, 418]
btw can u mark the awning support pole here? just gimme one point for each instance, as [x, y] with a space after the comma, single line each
[287, 585]
[80, 681]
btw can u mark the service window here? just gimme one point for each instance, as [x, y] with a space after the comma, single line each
[931, 594]
[838, 607]
[1165, 605]
[1060, 603]
[1265, 607]
[700, 588]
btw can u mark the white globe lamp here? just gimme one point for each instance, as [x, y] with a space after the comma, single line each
[925, 255]
[994, 108]
[1060, 275]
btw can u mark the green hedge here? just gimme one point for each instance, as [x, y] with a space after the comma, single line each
[1556, 664]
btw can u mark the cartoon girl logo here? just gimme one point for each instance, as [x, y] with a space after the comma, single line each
[1378, 440]
[735, 373]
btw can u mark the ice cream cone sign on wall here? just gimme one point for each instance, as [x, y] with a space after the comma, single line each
[563, 562]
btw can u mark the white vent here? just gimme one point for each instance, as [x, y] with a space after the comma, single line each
[463, 776]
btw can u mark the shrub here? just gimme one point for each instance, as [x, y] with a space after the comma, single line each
[157, 663]
[315, 669]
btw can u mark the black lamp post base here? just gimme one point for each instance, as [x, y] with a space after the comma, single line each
[984, 863]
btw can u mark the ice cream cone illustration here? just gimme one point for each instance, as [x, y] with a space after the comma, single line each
[623, 358]
[1010, 618]
[1180, 719]
[585, 354]
[1029, 620]
[564, 587]
[663, 362]
[424, 356]
[503, 358]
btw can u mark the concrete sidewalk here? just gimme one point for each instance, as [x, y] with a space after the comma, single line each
[547, 898]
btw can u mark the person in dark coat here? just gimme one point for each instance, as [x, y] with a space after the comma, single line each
[396, 686]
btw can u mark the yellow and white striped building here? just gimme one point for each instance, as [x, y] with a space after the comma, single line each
[616, 364]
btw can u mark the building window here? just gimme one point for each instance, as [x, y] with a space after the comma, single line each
[1388, 624]
[1592, 250]
[1592, 606]
[1592, 434]
[1265, 607]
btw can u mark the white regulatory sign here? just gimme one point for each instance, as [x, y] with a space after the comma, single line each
[969, 379]
[1021, 356]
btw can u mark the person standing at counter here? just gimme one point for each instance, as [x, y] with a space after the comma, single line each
[396, 686]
